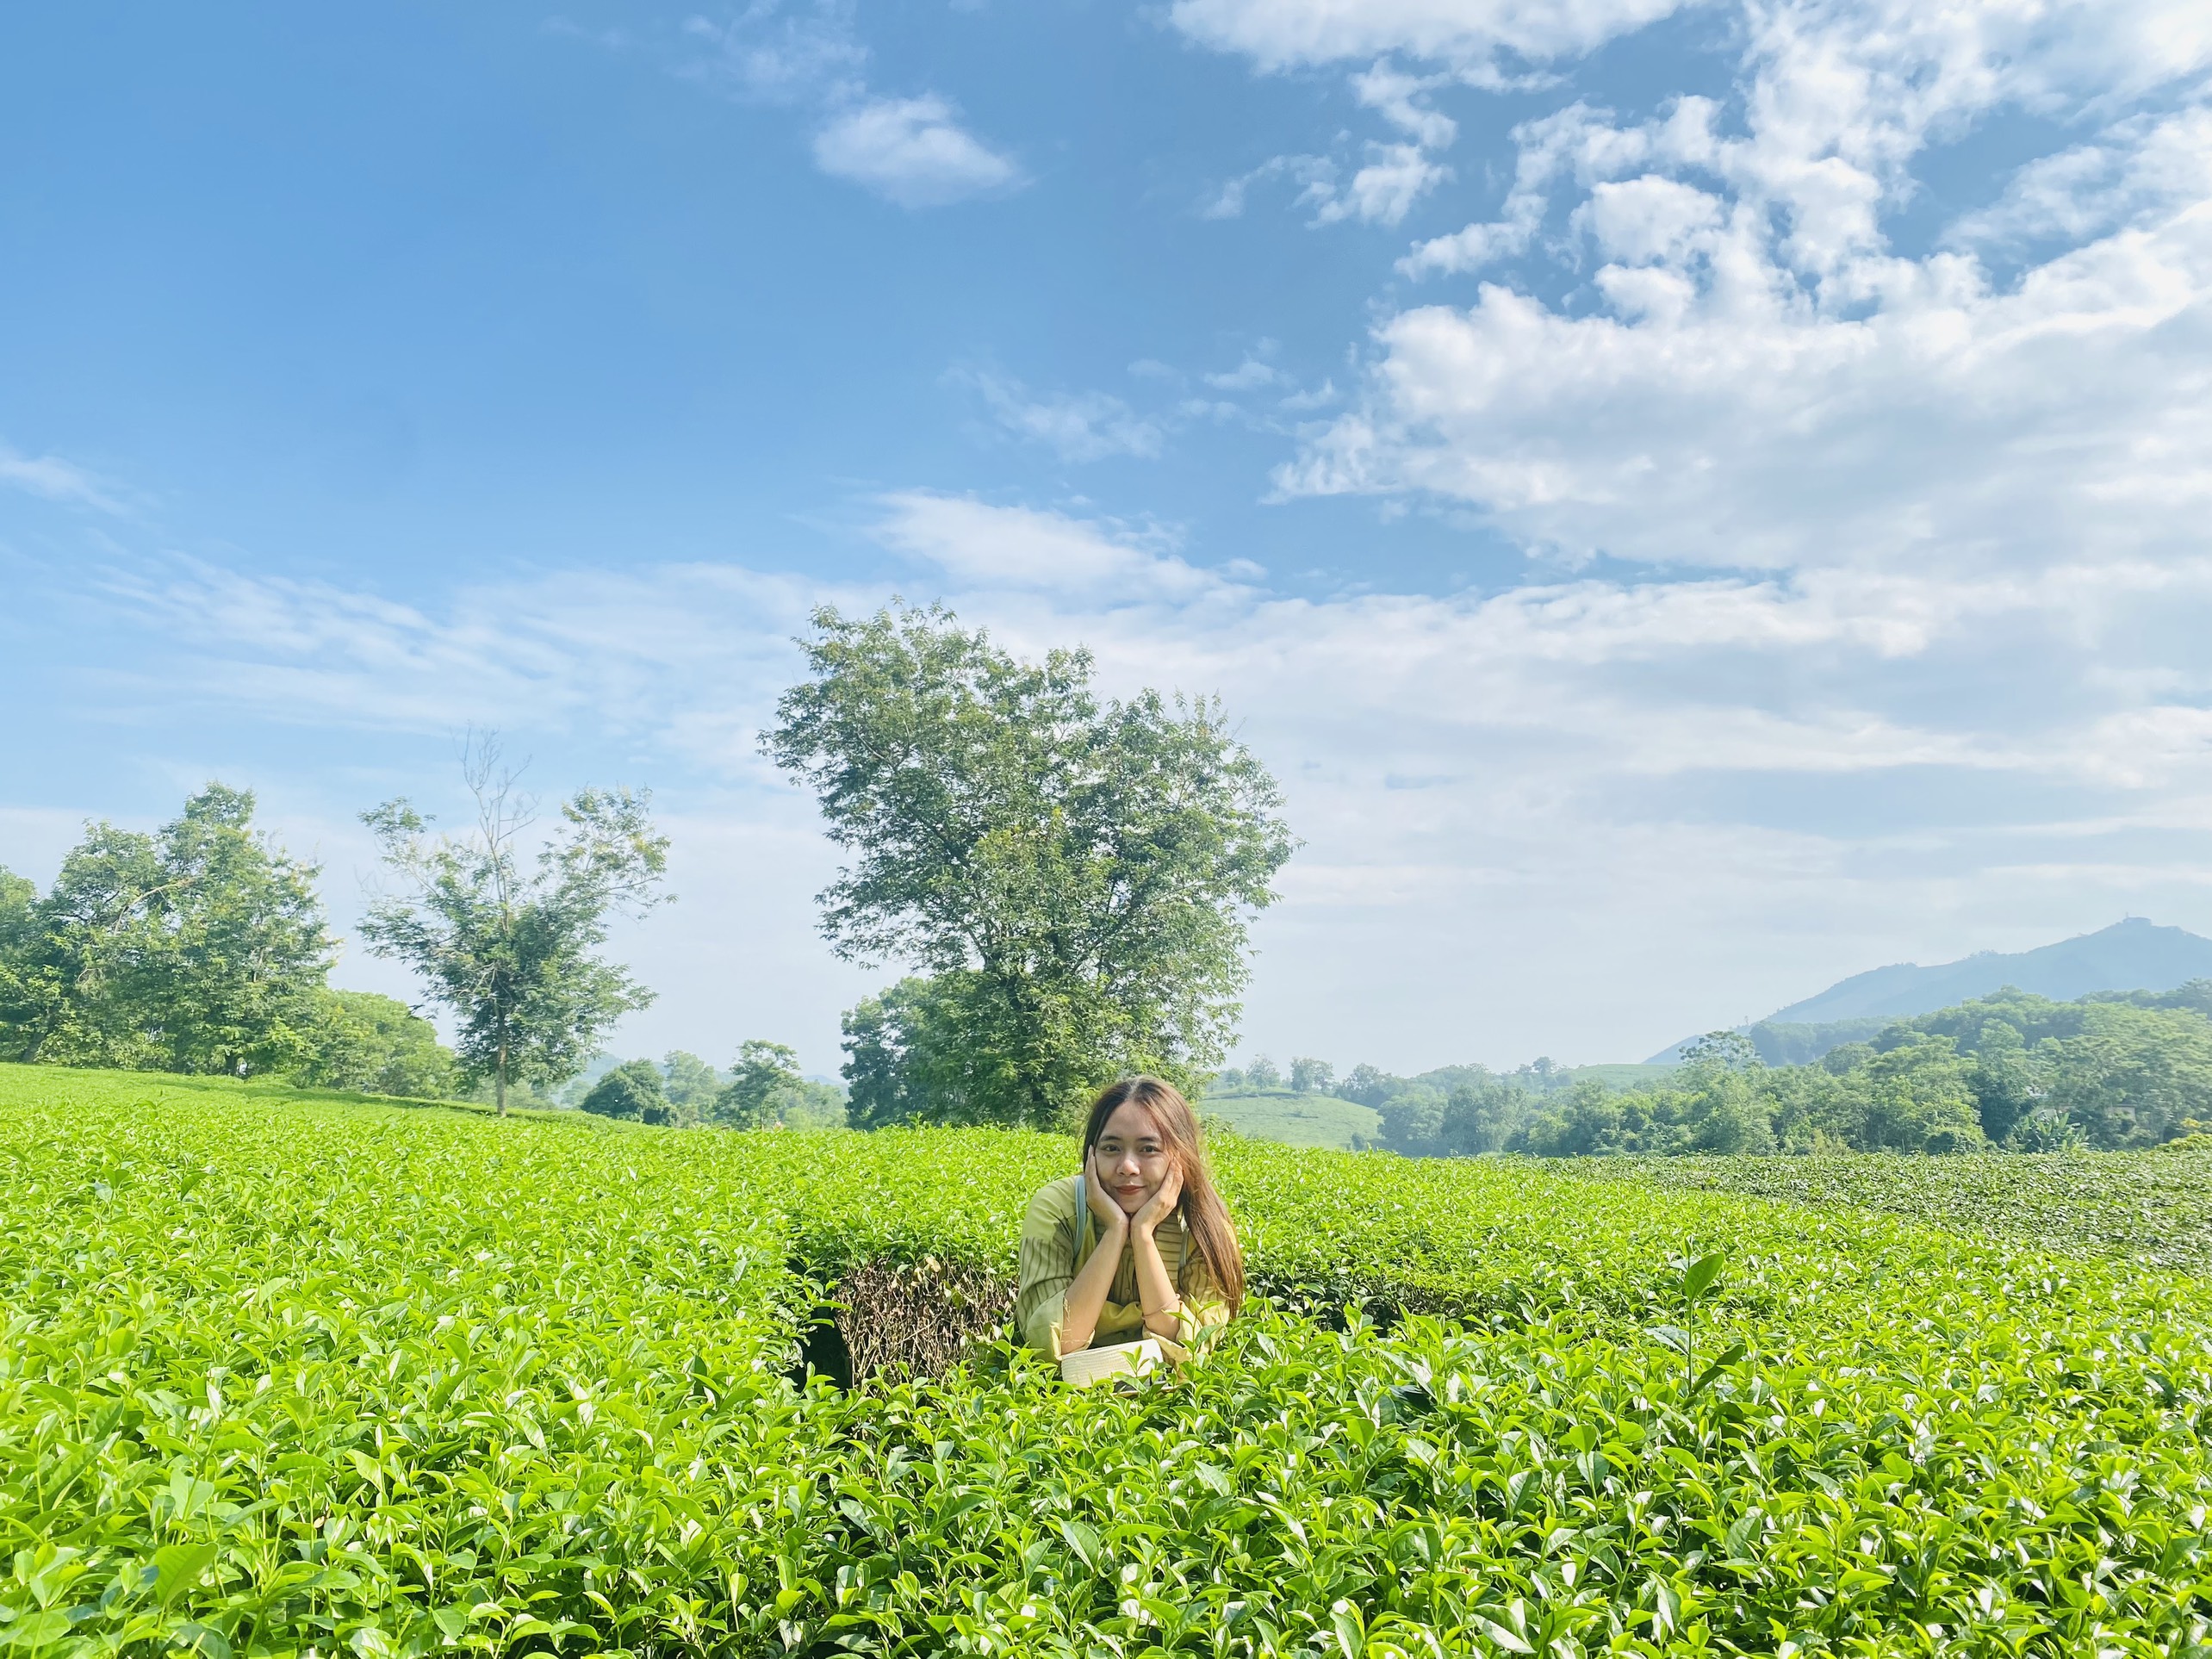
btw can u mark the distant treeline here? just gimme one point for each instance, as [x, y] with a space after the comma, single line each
[764, 1090]
[199, 948]
[2013, 1072]
[203, 948]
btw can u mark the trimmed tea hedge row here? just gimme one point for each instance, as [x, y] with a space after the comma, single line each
[915, 1231]
[282, 1376]
[2151, 1208]
[285, 1376]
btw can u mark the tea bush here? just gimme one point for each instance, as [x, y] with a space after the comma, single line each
[285, 1374]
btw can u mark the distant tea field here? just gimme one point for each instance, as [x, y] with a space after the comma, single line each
[1292, 1119]
[286, 1373]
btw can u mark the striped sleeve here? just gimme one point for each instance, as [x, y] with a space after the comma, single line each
[1204, 1307]
[1046, 1266]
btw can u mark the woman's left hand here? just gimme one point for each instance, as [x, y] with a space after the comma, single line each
[1161, 1205]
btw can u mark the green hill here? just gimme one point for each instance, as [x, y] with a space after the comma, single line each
[1295, 1120]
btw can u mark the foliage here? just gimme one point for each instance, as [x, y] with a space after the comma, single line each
[1071, 875]
[633, 1090]
[510, 948]
[813, 1105]
[692, 1085]
[2012, 1071]
[940, 1049]
[200, 948]
[2154, 1211]
[284, 1375]
[1311, 1077]
[766, 1075]
[374, 1045]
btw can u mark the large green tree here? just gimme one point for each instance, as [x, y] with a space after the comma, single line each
[376, 1046]
[1073, 875]
[692, 1086]
[766, 1074]
[510, 943]
[633, 1089]
[200, 948]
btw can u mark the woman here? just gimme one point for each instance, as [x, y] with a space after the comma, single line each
[1139, 1243]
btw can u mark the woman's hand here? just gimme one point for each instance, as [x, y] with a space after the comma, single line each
[1110, 1216]
[1161, 1205]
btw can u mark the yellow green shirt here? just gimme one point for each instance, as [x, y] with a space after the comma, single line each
[1052, 1253]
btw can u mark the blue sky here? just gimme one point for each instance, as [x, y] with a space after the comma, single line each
[1693, 500]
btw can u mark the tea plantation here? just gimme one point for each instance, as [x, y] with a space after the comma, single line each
[285, 1374]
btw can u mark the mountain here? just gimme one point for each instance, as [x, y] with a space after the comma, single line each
[2131, 956]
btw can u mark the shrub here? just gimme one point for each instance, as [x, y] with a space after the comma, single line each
[633, 1090]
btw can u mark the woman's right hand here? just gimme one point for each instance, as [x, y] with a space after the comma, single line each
[1112, 1220]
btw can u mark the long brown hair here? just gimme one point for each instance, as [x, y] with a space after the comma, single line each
[1205, 1217]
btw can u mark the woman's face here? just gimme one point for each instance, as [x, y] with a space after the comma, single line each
[1129, 1159]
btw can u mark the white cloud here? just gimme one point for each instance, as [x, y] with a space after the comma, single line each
[1381, 192]
[778, 56]
[1279, 33]
[1763, 381]
[1395, 175]
[1315, 175]
[1384, 190]
[1649, 219]
[1567, 141]
[981, 546]
[2140, 168]
[913, 151]
[54, 479]
[1397, 95]
[1077, 427]
[1254, 374]
[1581, 781]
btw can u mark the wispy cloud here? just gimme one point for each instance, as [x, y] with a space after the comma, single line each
[54, 479]
[1632, 746]
[914, 150]
[1077, 426]
[1469, 34]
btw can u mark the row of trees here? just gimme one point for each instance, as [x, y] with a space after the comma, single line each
[201, 947]
[1263, 1077]
[1070, 875]
[2014, 1072]
[763, 1090]
[204, 947]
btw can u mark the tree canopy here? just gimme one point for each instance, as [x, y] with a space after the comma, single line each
[200, 947]
[766, 1075]
[633, 1089]
[376, 1046]
[1072, 875]
[510, 945]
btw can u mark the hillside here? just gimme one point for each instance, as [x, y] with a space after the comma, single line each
[1293, 1120]
[2135, 955]
[292, 1372]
